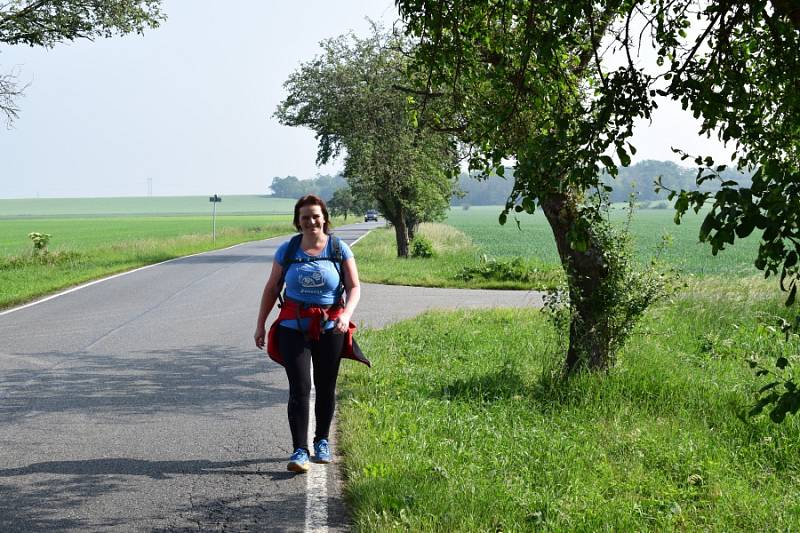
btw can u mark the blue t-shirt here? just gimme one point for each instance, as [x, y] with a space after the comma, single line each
[313, 282]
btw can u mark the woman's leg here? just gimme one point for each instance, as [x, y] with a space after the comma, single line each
[327, 355]
[296, 361]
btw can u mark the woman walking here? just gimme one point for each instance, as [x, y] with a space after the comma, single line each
[322, 291]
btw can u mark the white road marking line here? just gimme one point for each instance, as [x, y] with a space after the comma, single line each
[361, 237]
[316, 479]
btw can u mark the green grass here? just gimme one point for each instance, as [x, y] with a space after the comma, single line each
[86, 249]
[378, 263]
[534, 239]
[479, 233]
[96, 232]
[148, 205]
[461, 426]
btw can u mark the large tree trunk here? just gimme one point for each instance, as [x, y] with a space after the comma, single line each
[397, 216]
[586, 270]
[401, 236]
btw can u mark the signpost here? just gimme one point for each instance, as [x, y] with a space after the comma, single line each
[214, 199]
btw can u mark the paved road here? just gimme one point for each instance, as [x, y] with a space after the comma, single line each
[140, 403]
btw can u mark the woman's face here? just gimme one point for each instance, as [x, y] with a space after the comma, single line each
[312, 221]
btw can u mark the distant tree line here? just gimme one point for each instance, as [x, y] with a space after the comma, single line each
[638, 179]
[293, 187]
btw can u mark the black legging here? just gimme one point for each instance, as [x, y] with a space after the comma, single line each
[297, 355]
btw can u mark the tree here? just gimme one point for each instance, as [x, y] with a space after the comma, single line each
[532, 81]
[342, 203]
[49, 22]
[348, 96]
[288, 187]
[739, 72]
[521, 81]
[292, 187]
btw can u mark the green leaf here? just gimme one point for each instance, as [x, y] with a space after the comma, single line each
[769, 386]
[624, 158]
[791, 259]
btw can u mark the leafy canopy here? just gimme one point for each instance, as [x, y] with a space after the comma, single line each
[49, 22]
[348, 95]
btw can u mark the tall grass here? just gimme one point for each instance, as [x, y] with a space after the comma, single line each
[453, 251]
[463, 425]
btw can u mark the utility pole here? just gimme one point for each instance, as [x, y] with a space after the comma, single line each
[149, 186]
[214, 201]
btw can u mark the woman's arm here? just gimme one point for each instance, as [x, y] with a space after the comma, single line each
[352, 288]
[268, 297]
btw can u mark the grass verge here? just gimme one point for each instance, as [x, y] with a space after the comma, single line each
[24, 276]
[454, 251]
[464, 428]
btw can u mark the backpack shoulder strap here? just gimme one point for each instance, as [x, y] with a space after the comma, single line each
[291, 251]
[338, 259]
[288, 259]
[337, 249]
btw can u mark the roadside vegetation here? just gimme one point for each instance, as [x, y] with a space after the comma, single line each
[455, 262]
[84, 249]
[473, 251]
[533, 238]
[463, 424]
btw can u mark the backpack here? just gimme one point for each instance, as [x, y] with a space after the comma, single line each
[291, 257]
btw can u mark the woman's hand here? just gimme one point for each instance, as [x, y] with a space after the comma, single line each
[342, 323]
[259, 337]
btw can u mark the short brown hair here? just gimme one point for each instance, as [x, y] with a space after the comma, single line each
[311, 199]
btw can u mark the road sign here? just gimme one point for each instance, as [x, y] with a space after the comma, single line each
[214, 200]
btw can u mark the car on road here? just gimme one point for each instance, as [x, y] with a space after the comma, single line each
[371, 215]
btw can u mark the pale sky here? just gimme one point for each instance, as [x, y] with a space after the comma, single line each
[189, 105]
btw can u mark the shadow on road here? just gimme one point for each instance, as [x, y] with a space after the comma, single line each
[54, 504]
[139, 467]
[199, 380]
[49, 504]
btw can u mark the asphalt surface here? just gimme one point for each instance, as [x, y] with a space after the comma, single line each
[141, 404]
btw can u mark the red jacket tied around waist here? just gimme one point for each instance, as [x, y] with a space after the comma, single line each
[293, 310]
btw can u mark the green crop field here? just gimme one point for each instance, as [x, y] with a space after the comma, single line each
[533, 239]
[88, 247]
[86, 233]
[149, 205]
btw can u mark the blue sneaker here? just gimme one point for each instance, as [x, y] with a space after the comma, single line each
[322, 452]
[298, 462]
